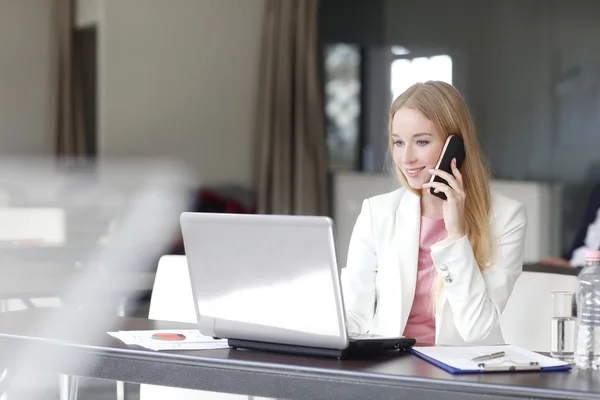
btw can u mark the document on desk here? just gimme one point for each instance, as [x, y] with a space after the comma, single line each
[500, 358]
[171, 339]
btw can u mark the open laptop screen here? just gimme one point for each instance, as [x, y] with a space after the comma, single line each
[265, 277]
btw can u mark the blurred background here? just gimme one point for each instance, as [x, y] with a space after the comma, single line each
[278, 106]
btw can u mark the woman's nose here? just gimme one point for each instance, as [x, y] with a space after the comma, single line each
[408, 154]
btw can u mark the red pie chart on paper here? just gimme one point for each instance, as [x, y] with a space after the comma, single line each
[168, 336]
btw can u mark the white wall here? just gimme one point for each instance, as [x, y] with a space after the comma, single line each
[179, 78]
[25, 77]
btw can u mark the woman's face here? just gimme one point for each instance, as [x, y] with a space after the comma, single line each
[417, 145]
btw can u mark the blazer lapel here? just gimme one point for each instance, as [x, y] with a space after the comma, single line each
[406, 238]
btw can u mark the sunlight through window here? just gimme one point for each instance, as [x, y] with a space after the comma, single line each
[406, 72]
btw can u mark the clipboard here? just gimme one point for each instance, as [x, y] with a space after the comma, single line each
[510, 367]
[458, 359]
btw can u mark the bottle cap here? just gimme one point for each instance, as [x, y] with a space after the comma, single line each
[592, 255]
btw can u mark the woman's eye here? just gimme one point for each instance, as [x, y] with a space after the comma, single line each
[398, 143]
[422, 142]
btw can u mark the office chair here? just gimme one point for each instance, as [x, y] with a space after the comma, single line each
[526, 319]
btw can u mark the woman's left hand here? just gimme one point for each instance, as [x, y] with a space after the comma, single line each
[454, 207]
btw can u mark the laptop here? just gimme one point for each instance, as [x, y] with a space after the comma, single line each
[271, 283]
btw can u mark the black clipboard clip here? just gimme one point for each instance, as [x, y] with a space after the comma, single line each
[530, 366]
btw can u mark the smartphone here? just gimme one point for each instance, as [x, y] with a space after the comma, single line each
[453, 148]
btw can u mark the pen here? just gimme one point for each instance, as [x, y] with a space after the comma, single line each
[489, 356]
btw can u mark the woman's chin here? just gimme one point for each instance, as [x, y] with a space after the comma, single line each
[415, 184]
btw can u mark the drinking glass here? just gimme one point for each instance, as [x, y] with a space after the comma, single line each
[563, 325]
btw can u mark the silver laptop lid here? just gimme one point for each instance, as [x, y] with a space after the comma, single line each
[267, 278]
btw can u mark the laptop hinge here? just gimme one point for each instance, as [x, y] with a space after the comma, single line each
[207, 326]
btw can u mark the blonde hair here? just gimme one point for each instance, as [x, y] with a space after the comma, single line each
[443, 105]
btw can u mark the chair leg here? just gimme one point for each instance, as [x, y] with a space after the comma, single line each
[74, 388]
[4, 378]
[63, 386]
[121, 312]
[68, 387]
[120, 390]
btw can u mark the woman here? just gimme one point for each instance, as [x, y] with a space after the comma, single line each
[440, 271]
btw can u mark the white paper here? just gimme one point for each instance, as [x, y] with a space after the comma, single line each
[460, 357]
[193, 340]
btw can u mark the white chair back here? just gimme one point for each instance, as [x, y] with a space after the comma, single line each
[526, 319]
[172, 300]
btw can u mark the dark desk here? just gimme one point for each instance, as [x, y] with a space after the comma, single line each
[285, 377]
[550, 269]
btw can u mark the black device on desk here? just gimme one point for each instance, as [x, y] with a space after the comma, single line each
[453, 148]
[271, 283]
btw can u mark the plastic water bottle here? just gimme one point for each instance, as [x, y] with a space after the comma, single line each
[587, 352]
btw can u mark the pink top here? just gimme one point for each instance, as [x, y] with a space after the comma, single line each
[420, 324]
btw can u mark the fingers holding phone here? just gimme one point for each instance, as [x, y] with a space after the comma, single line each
[456, 174]
[454, 180]
[453, 208]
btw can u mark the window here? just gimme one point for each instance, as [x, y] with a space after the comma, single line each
[408, 71]
[342, 104]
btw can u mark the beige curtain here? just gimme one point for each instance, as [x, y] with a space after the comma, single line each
[290, 170]
[69, 127]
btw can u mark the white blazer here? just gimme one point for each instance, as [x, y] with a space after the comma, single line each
[379, 279]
